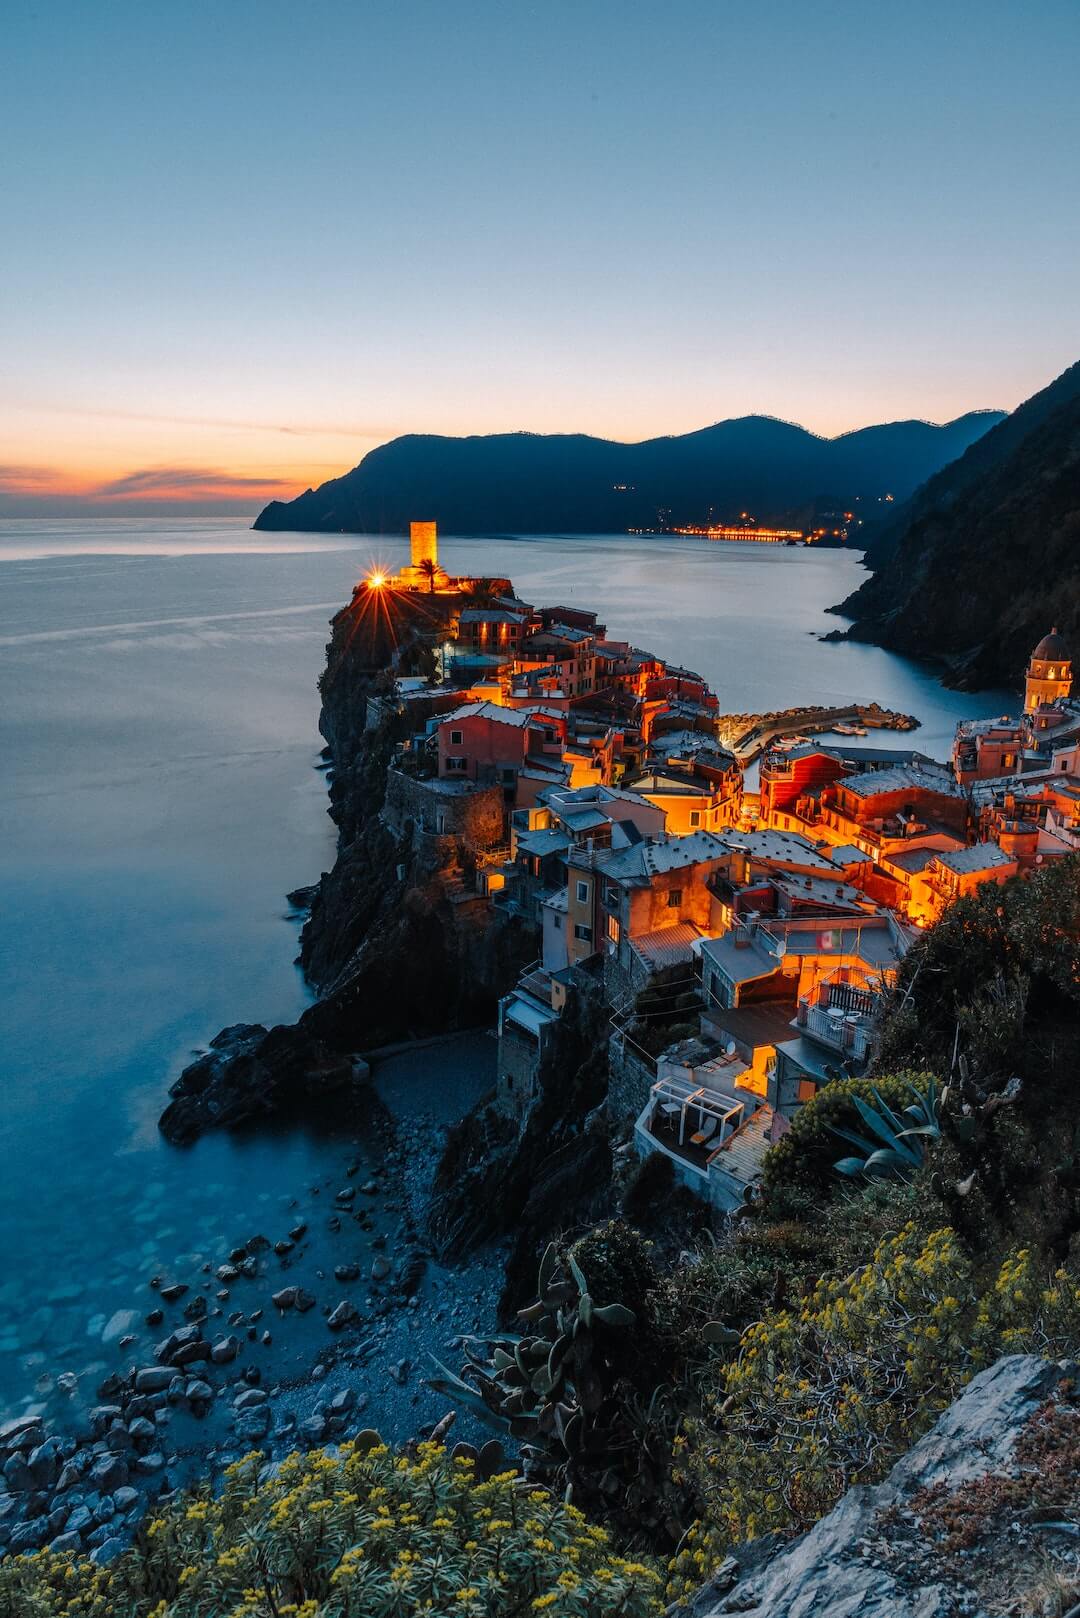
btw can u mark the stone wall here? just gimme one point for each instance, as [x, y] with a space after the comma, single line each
[629, 1082]
[518, 1069]
[474, 817]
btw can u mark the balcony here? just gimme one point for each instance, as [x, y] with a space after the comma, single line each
[844, 1028]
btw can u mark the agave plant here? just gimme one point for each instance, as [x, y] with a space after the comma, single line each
[556, 1389]
[900, 1140]
[544, 1381]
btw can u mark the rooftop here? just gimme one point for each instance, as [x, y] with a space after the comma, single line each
[762, 1022]
[911, 860]
[901, 778]
[486, 615]
[979, 857]
[818, 890]
[542, 842]
[1051, 648]
[646, 860]
[843, 853]
[518, 717]
[668, 946]
[812, 1058]
[583, 819]
[781, 847]
[742, 1155]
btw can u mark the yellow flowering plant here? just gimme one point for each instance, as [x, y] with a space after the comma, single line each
[831, 1391]
[359, 1533]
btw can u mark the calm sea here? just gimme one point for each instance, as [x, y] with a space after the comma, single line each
[159, 797]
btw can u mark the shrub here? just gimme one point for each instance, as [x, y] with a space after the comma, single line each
[651, 1187]
[801, 1168]
[1000, 966]
[829, 1394]
[572, 1388]
[362, 1533]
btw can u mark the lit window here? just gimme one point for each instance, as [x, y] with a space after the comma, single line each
[613, 929]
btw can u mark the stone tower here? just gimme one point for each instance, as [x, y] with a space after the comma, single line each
[424, 539]
[1049, 673]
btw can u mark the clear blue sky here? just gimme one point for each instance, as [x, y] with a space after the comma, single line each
[243, 242]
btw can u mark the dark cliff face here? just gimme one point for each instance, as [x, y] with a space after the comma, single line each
[531, 483]
[389, 952]
[988, 558]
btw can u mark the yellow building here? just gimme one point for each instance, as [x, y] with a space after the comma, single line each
[1049, 673]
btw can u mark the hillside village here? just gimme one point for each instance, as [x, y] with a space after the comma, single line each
[743, 940]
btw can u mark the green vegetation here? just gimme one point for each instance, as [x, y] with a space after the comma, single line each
[800, 1171]
[362, 1533]
[895, 1143]
[832, 1391]
[566, 1387]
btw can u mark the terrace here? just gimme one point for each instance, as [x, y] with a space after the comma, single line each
[716, 1141]
[843, 1018]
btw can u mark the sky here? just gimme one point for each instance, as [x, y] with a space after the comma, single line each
[242, 243]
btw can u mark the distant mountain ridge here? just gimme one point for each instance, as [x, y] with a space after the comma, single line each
[538, 483]
[986, 558]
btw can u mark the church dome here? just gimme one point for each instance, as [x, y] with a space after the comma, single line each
[1051, 649]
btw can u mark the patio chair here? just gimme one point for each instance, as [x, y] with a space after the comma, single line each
[705, 1133]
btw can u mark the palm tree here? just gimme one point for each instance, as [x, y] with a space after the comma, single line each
[430, 571]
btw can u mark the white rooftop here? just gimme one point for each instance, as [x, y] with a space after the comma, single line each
[979, 857]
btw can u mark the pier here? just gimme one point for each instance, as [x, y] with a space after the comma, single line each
[748, 735]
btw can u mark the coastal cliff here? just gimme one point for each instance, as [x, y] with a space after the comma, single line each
[389, 948]
[985, 559]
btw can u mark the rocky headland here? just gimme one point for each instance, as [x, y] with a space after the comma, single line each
[388, 945]
[981, 561]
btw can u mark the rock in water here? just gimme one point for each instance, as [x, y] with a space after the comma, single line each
[343, 1315]
[248, 1072]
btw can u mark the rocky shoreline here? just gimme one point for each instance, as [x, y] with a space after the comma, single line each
[317, 1326]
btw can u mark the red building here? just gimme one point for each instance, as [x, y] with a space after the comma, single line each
[786, 775]
[483, 741]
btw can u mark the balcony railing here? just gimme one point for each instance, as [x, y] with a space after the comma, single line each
[845, 1031]
[850, 997]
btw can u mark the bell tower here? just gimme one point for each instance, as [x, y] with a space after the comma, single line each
[1049, 673]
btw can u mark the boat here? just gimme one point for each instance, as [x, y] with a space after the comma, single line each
[848, 730]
